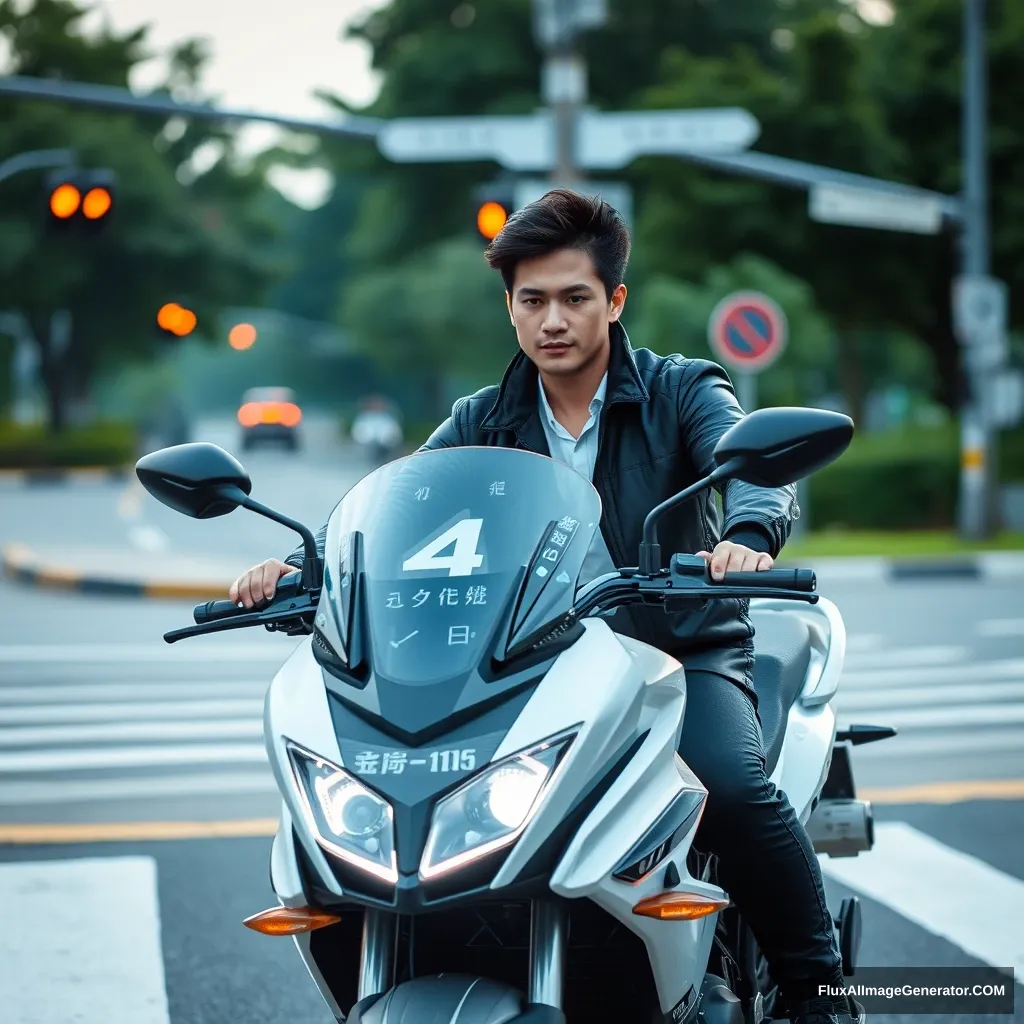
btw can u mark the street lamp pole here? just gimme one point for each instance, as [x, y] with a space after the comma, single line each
[36, 159]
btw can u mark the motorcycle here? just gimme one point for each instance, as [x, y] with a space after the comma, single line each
[484, 816]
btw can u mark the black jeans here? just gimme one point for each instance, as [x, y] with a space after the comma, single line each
[766, 862]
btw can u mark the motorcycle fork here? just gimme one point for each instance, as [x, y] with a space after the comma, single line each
[549, 932]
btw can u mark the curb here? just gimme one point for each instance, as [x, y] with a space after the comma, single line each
[987, 565]
[19, 564]
[64, 475]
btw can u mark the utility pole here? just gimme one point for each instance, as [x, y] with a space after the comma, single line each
[981, 344]
[557, 24]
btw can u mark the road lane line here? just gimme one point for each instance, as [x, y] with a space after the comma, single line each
[946, 892]
[184, 710]
[170, 655]
[953, 717]
[134, 831]
[903, 746]
[900, 657]
[978, 671]
[81, 942]
[131, 732]
[946, 792]
[141, 693]
[863, 641]
[1000, 627]
[64, 791]
[943, 694]
[132, 757]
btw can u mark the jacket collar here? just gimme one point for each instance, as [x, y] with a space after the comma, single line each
[517, 394]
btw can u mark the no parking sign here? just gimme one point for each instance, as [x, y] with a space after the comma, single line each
[747, 331]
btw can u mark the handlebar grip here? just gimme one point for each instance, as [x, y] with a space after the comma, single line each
[216, 610]
[791, 579]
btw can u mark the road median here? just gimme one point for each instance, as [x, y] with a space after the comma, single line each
[120, 572]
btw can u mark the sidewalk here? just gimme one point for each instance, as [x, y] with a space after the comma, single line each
[127, 572]
[121, 571]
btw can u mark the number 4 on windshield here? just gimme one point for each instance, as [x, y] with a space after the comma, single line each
[464, 535]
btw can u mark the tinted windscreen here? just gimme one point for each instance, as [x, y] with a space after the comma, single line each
[446, 535]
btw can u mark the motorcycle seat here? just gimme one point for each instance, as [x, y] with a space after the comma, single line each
[782, 654]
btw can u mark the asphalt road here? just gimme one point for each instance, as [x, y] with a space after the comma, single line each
[102, 723]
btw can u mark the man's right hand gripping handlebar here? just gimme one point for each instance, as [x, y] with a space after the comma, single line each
[258, 585]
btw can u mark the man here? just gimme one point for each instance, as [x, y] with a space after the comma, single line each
[643, 427]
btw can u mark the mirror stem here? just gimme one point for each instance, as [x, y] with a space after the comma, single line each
[312, 564]
[650, 549]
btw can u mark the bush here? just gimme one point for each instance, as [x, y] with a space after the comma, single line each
[901, 480]
[98, 444]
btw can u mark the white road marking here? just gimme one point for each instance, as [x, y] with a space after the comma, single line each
[183, 710]
[981, 671]
[65, 791]
[1000, 627]
[81, 942]
[946, 694]
[946, 892]
[148, 538]
[987, 741]
[131, 757]
[171, 654]
[863, 641]
[900, 657]
[953, 717]
[143, 694]
[131, 732]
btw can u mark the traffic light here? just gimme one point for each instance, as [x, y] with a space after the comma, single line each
[175, 321]
[80, 200]
[493, 204]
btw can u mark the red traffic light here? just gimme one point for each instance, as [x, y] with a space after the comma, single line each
[65, 200]
[176, 319]
[490, 219]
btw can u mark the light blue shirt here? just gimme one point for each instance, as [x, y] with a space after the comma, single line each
[581, 454]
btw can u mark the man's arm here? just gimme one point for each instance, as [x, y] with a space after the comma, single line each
[447, 435]
[758, 518]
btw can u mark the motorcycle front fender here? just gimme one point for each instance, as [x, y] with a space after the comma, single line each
[461, 997]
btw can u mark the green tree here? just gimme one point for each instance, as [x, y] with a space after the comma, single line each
[673, 316]
[202, 241]
[438, 313]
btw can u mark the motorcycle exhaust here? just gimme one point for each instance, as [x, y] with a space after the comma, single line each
[842, 828]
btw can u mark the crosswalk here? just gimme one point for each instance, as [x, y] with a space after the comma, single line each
[99, 722]
[111, 722]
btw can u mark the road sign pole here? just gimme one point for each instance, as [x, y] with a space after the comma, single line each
[977, 444]
[746, 390]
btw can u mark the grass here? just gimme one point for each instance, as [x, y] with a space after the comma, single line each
[894, 545]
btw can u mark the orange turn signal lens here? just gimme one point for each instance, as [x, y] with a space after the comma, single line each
[289, 920]
[678, 906]
[250, 413]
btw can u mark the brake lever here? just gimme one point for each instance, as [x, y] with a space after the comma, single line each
[273, 614]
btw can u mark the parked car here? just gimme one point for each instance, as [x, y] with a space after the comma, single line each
[270, 415]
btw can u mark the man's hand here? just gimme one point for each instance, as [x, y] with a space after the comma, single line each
[259, 583]
[730, 557]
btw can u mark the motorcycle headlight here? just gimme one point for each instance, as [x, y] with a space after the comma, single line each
[492, 809]
[348, 819]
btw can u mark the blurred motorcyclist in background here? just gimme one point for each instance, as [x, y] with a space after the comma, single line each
[377, 429]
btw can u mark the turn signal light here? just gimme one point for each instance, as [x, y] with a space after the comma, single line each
[678, 906]
[289, 920]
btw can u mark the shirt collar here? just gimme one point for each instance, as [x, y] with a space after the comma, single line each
[596, 403]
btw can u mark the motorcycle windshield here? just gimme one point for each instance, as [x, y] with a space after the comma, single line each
[446, 535]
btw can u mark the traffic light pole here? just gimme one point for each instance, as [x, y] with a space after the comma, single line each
[36, 159]
[978, 452]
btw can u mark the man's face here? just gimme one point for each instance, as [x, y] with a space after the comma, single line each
[560, 311]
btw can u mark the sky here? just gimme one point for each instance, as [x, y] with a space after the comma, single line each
[266, 55]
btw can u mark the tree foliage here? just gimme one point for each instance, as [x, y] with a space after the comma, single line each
[205, 239]
[826, 86]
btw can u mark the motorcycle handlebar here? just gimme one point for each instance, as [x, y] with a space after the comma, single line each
[216, 610]
[792, 579]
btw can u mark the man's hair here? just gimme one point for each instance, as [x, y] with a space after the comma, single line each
[563, 219]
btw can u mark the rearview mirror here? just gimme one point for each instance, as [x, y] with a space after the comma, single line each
[197, 479]
[776, 447]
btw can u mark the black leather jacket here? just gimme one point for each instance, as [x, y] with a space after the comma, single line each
[661, 420]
